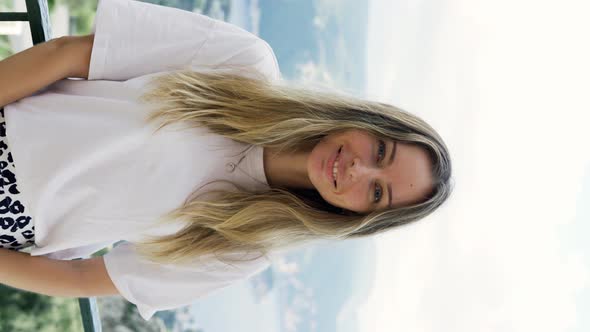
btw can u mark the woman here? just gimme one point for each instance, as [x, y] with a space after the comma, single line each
[192, 154]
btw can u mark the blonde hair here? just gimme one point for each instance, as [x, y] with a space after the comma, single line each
[255, 111]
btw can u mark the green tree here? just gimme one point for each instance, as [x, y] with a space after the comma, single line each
[22, 311]
[50, 4]
[81, 15]
[5, 49]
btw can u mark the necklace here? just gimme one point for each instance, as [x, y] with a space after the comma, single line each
[232, 166]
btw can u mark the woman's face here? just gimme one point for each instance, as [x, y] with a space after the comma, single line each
[370, 174]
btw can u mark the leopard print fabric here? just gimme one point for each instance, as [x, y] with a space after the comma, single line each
[17, 230]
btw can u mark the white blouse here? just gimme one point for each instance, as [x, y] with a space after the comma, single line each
[90, 171]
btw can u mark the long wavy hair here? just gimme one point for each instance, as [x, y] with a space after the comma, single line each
[253, 110]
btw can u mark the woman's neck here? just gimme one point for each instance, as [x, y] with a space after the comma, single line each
[286, 169]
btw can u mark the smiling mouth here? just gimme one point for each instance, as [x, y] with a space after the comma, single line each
[335, 168]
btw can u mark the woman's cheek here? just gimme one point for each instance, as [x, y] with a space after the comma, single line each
[352, 200]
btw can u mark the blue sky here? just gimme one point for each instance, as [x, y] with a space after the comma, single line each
[575, 240]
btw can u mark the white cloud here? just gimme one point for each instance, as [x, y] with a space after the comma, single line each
[311, 72]
[508, 91]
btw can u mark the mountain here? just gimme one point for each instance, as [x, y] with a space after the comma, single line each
[330, 276]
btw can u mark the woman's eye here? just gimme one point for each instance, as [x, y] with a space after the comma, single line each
[381, 151]
[378, 193]
[380, 155]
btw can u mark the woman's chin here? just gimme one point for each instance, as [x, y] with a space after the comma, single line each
[328, 197]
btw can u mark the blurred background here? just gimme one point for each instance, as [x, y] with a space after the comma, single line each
[504, 82]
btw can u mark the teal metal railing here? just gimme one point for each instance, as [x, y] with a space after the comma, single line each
[37, 15]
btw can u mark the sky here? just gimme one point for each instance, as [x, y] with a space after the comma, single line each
[505, 83]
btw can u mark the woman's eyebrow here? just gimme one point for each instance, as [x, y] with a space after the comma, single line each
[391, 157]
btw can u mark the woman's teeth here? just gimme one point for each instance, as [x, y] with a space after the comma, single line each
[335, 167]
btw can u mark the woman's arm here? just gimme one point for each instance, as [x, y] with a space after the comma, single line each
[28, 71]
[39, 274]
[77, 49]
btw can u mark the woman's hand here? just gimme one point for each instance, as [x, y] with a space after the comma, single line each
[28, 71]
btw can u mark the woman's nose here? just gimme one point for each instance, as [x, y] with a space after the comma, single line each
[355, 170]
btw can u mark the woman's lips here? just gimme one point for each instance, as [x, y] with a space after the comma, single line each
[330, 167]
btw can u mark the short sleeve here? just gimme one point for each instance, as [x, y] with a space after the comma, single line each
[133, 38]
[153, 287]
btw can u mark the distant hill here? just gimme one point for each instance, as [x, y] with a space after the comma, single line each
[336, 272]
